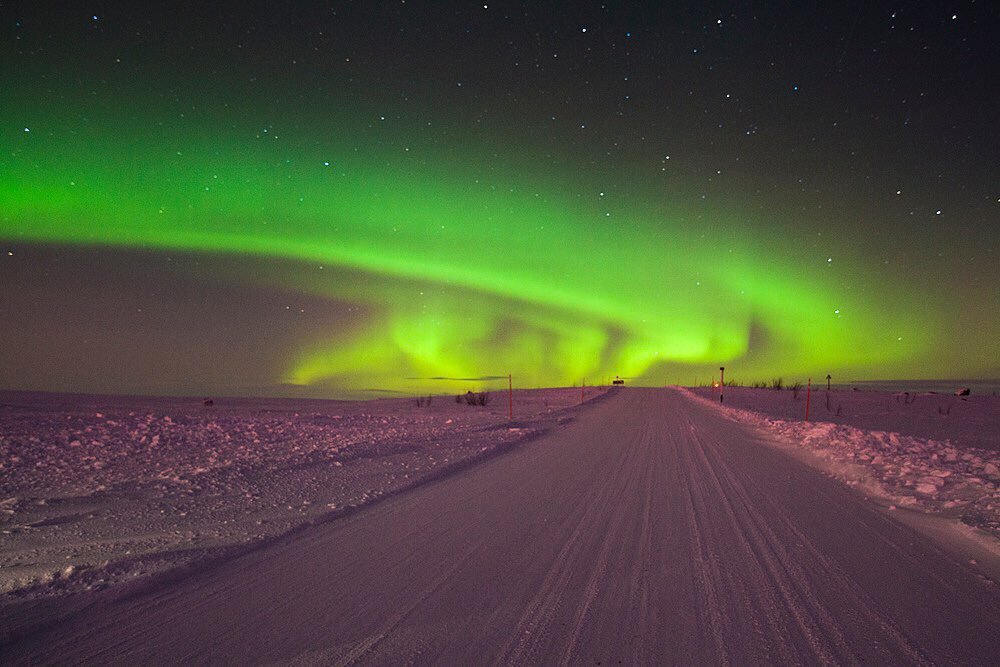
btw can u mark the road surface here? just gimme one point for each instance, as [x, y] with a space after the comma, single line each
[650, 530]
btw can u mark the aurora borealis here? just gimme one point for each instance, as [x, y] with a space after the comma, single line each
[413, 196]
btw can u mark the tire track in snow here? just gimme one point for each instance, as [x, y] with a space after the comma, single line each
[706, 568]
[753, 596]
[773, 567]
[639, 597]
[785, 568]
[862, 602]
[600, 567]
[532, 630]
[368, 644]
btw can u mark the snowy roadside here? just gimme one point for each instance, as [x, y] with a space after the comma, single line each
[98, 496]
[930, 475]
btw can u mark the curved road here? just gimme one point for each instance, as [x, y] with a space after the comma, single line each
[650, 530]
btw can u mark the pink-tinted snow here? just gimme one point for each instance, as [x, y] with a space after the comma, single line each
[96, 489]
[935, 452]
[965, 421]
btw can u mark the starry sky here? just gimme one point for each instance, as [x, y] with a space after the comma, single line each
[351, 199]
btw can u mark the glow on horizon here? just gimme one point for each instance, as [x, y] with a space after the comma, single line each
[524, 272]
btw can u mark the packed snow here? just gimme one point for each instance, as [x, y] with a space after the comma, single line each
[97, 490]
[909, 460]
[102, 490]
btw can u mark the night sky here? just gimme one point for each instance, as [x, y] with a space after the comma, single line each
[340, 199]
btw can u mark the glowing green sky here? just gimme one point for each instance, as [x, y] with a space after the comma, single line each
[461, 251]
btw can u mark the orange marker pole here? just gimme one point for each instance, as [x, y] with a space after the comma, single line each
[510, 398]
[808, 393]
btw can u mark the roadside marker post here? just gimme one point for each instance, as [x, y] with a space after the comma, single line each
[722, 382]
[808, 392]
[510, 397]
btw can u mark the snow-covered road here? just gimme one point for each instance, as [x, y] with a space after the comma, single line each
[649, 530]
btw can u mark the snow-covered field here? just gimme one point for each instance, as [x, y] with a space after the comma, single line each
[96, 490]
[933, 452]
[101, 490]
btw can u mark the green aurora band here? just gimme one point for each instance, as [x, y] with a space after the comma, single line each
[464, 271]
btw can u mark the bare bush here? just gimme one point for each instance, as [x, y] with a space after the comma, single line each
[480, 399]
